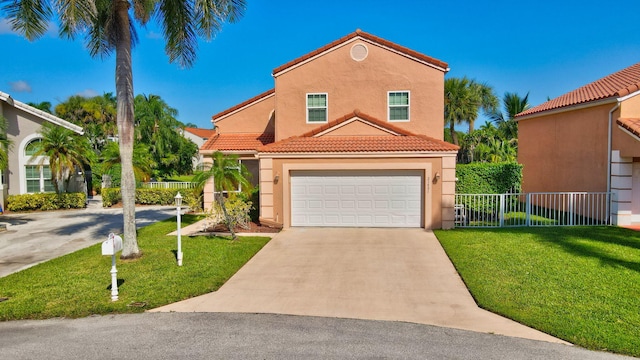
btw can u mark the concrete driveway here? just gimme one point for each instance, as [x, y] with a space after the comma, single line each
[32, 238]
[374, 274]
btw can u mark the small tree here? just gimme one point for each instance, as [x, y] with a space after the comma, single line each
[65, 150]
[5, 143]
[227, 174]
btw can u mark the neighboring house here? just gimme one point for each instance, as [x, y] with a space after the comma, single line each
[27, 175]
[199, 137]
[351, 135]
[587, 140]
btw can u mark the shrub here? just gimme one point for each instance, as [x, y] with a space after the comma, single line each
[46, 201]
[237, 211]
[113, 196]
[488, 178]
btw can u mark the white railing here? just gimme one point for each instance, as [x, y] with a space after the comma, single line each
[169, 185]
[532, 209]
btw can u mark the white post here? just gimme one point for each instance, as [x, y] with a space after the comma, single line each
[178, 203]
[114, 279]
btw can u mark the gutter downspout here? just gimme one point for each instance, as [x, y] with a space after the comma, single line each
[609, 146]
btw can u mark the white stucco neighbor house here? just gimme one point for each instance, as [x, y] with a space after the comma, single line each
[26, 174]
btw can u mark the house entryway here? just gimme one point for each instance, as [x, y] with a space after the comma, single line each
[357, 198]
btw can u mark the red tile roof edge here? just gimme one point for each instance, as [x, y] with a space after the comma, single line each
[632, 125]
[263, 138]
[441, 146]
[355, 113]
[618, 84]
[203, 133]
[369, 37]
[243, 104]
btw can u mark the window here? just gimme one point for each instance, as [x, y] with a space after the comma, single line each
[33, 147]
[398, 106]
[38, 178]
[317, 108]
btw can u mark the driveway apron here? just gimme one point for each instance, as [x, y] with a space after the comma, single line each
[361, 273]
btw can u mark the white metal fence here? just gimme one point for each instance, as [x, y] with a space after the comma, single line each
[169, 185]
[532, 209]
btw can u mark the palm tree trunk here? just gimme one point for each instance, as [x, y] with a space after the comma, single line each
[452, 132]
[124, 96]
[220, 198]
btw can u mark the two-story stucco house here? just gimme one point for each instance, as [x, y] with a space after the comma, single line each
[351, 135]
[587, 140]
[25, 173]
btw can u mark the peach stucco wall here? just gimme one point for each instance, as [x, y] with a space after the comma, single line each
[275, 196]
[566, 151]
[255, 118]
[358, 128]
[361, 85]
[628, 145]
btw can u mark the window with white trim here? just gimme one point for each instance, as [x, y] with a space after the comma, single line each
[38, 178]
[32, 147]
[317, 108]
[398, 105]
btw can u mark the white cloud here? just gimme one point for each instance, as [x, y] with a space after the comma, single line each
[5, 28]
[20, 86]
[89, 93]
[154, 35]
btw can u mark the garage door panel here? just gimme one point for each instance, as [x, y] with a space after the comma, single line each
[380, 200]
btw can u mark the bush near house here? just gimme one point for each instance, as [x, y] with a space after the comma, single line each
[46, 201]
[112, 196]
[488, 178]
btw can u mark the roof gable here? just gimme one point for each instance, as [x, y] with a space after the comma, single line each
[202, 133]
[630, 126]
[618, 84]
[372, 39]
[41, 114]
[244, 104]
[356, 116]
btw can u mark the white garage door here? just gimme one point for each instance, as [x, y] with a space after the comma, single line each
[356, 198]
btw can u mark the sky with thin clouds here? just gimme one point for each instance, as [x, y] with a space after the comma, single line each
[546, 48]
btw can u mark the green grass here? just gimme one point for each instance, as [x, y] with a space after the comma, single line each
[580, 284]
[78, 284]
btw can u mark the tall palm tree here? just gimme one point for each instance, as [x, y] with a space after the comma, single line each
[227, 173]
[110, 25]
[513, 104]
[463, 99]
[66, 152]
[142, 164]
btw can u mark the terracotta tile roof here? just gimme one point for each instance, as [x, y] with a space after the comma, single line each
[203, 133]
[237, 142]
[243, 104]
[367, 36]
[358, 114]
[358, 144]
[621, 83]
[631, 125]
[405, 142]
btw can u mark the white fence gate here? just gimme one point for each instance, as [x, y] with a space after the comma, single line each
[533, 209]
[169, 185]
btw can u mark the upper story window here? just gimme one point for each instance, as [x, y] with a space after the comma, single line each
[398, 105]
[317, 108]
[33, 147]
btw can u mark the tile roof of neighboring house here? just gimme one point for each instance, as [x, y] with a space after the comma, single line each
[405, 141]
[631, 125]
[203, 133]
[621, 83]
[43, 115]
[372, 38]
[243, 104]
[237, 142]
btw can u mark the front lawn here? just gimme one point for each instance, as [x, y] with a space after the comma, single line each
[78, 284]
[580, 284]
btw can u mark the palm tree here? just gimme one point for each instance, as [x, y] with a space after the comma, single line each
[66, 152]
[227, 173]
[513, 104]
[142, 164]
[5, 143]
[463, 99]
[110, 25]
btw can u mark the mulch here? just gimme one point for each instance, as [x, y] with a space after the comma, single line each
[253, 228]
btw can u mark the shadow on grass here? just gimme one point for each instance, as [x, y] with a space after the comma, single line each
[585, 241]
[119, 282]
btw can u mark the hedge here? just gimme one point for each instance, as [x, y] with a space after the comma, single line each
[46, 201]
[488, 178]
[111, 196]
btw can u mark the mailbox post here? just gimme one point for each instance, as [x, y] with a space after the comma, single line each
[111, 247]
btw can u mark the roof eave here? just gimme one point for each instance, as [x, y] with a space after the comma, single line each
[568, 108]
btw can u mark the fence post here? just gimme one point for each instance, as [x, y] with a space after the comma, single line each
[527, 214]
[501, 213]
[571, 204]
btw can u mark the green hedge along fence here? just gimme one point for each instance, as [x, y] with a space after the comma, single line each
[111, 196]
[488, 178]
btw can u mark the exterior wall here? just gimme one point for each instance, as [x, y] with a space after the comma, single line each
[630, 108]
[257, 118]
[566, 151]
[628, 145]
[622, 188]
[361, 85]
[275, 194]
[358, 128]
[22, 128]
[198, 159]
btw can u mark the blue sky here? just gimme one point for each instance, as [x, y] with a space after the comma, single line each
[545, 48]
